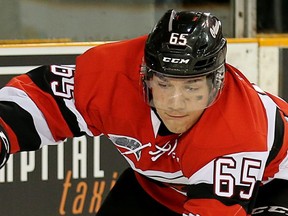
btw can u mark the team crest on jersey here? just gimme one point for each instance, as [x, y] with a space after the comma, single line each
[132, 145]
[190, 214]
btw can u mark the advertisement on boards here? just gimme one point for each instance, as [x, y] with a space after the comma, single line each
[71, 178]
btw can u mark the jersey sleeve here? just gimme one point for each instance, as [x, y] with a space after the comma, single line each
[38, 108]
[277, 163]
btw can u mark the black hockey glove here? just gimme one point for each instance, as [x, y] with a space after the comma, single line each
[272, 199]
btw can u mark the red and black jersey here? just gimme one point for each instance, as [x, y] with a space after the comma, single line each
[215, 168]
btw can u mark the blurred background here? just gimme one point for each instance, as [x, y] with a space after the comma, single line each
[36, 32]
[90, 21]
[105, 20]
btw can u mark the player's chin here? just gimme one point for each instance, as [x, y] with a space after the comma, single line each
[177, 127]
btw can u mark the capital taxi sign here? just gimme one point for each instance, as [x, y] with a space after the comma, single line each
[72, 178]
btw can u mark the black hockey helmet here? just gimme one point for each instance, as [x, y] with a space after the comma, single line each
[185, 44]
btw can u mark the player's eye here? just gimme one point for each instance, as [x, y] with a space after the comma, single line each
[163, 84]
[191, 88]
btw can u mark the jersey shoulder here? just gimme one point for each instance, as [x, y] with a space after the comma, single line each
[107, 81]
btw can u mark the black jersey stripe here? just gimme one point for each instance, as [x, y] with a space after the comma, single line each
[274, 193]
[278, 137]
[42, 77]
[206, 191]
[21, 122]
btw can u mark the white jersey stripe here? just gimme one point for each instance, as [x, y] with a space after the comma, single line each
[162, 176]
[205, 175]
[283, 169]
[19, 97]
[270, 108]
[81, 122]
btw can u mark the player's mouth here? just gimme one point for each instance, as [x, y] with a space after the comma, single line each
[176, 116]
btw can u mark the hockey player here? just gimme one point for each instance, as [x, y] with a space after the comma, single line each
[201, 140]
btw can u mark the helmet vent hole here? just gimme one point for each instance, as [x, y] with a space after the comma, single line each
[202, 47]
[176, 47]
[204, 63]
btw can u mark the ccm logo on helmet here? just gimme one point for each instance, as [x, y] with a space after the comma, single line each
[176, 60]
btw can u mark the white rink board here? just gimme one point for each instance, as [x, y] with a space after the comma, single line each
[269, 69]
[244, 56]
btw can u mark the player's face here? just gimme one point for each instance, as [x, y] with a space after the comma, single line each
[179, 102]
